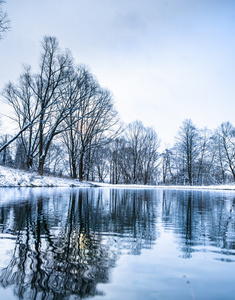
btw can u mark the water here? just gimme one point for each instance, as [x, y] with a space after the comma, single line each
[116, 244]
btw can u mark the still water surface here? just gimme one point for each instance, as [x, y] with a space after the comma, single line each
[116, 244]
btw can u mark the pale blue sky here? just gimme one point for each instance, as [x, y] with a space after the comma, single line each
[164, 61]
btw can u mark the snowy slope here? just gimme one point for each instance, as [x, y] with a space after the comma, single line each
[17, 178]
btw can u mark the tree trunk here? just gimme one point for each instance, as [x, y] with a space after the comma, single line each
[74, 170]
[41, 165]
[29, 162]
[81, 167]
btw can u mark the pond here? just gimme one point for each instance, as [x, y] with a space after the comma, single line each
[116, 244]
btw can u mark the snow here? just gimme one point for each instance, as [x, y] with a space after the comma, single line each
[174, 187]
[10, 177]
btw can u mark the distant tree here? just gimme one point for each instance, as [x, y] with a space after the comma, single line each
[56, 159]
[206, 157]
[227, 144]
[200, 156]
[135, 137]
[143, 144]
[6, 155]
[166, 162]
[4, 21]
[187, 144]
[120, 161]
[151, 156]
[219, 171]
[100, 163]
[20, 155]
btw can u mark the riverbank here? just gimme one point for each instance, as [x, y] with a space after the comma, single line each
[173, 187]
[10, 177]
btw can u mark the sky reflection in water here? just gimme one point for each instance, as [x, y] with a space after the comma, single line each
[116, 244]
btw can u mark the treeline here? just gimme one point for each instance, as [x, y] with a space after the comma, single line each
[67, 125]
[200, 156]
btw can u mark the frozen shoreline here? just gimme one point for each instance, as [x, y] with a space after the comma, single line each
[172, 187]
[10, 177]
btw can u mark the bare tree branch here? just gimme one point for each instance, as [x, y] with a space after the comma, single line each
[4, 21]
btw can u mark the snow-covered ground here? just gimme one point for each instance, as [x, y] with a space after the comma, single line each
[16, 178]
[175, 187]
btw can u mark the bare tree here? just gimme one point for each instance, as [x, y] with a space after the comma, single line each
[120, 161]
[100, 128]
[86, 87]
[219, 170]
[143, 143]
[166, 162]
[43, 101]
[200, 157]
[97, 126]
[135, 137]
[6, 155]
[187, 143]
[4, 21]
[100, 163]
[151, 156]
[227, 134]
[49, 87]
[26, 108]
[57, 99]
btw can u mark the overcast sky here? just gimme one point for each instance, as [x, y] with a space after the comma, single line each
[163, 60]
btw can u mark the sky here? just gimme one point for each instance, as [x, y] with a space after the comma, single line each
[163, 60]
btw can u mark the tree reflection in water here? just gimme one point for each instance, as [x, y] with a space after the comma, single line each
[67, 242]
[200, 218]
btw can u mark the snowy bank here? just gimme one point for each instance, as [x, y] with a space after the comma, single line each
[173, 187]
[10, 177]
[16, 178]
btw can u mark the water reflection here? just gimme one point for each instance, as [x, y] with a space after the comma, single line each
[200, 218]
[66, 242]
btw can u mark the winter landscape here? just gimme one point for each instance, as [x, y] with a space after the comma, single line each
[117, 150]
